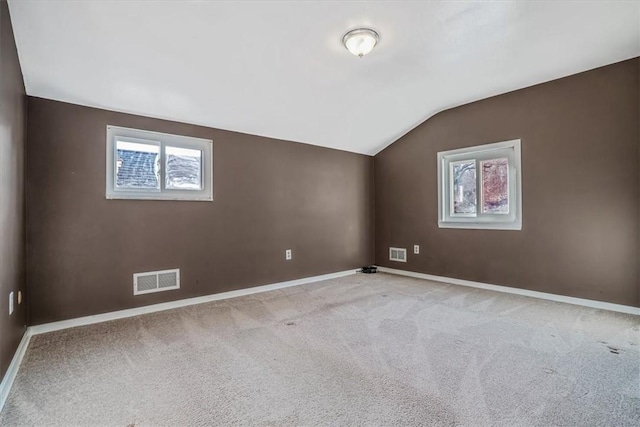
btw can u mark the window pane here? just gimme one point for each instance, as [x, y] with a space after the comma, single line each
[137, 166]
[495, 186]
[464, 187]
[184, 169]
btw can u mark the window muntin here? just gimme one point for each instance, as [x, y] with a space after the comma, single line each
[156, 166]
[480, 187]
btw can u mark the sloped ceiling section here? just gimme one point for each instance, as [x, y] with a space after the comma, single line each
[278, 69]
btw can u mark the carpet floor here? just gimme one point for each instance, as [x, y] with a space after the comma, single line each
[360, 350]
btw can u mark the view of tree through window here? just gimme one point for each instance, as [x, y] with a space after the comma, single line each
[480, 187]
[184, 169]
[495, 186]
[464, 187]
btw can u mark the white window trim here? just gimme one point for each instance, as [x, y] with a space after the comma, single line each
[511, 221]
[161, 139]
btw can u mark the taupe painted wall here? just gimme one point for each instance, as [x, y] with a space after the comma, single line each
[580, 139]
[12, 253]
[270, 195]
[580, 190]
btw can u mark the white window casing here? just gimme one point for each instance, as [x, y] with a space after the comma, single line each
[199, 189]
[510, 220]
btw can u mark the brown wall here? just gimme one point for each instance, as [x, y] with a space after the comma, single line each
[580, 194]
[12, 253]
[580, 158]
[269, 195]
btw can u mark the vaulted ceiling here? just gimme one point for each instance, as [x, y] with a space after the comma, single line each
[278, 69]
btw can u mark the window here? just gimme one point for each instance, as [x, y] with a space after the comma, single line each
[157, 166]
[481, 187]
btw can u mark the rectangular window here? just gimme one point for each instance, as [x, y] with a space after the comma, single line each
[481, 187]
[137, 165]
[495, 186]
[184, 168]
[463, 176]
[158, 166]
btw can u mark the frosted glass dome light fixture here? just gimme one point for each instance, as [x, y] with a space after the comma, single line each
[360, 41]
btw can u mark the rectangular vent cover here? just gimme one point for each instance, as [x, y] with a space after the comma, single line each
[398, 254]
[156, 281]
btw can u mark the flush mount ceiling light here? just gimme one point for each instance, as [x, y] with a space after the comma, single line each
[360, 41]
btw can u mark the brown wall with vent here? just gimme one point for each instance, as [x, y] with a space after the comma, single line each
[581, 218]
[269, 196]
[580, 167]
[12, 252]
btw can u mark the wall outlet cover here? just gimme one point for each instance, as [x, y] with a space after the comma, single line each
[287, 254]
[416, 249]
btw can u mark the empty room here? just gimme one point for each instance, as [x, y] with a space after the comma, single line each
[319, 213]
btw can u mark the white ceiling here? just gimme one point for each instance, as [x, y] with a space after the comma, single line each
[278, 69]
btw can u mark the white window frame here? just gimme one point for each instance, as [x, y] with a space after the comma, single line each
[162, 140]
[493, 221]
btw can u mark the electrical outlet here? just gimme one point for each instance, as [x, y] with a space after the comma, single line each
[416, 249]
[287, 254]
[10, 303]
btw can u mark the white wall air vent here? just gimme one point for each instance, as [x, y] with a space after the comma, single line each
[398, 254]
[156, 281]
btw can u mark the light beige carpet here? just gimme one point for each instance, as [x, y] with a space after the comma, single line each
[360, 350]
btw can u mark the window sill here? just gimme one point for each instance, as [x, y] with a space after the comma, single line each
[481, 225]
[168, 198]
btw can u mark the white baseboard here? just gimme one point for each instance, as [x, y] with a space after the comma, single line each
[105, 317]
[14, 366]
[10, 376]
[525, 292]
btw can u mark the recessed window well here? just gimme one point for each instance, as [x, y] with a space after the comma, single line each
[481, 187]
